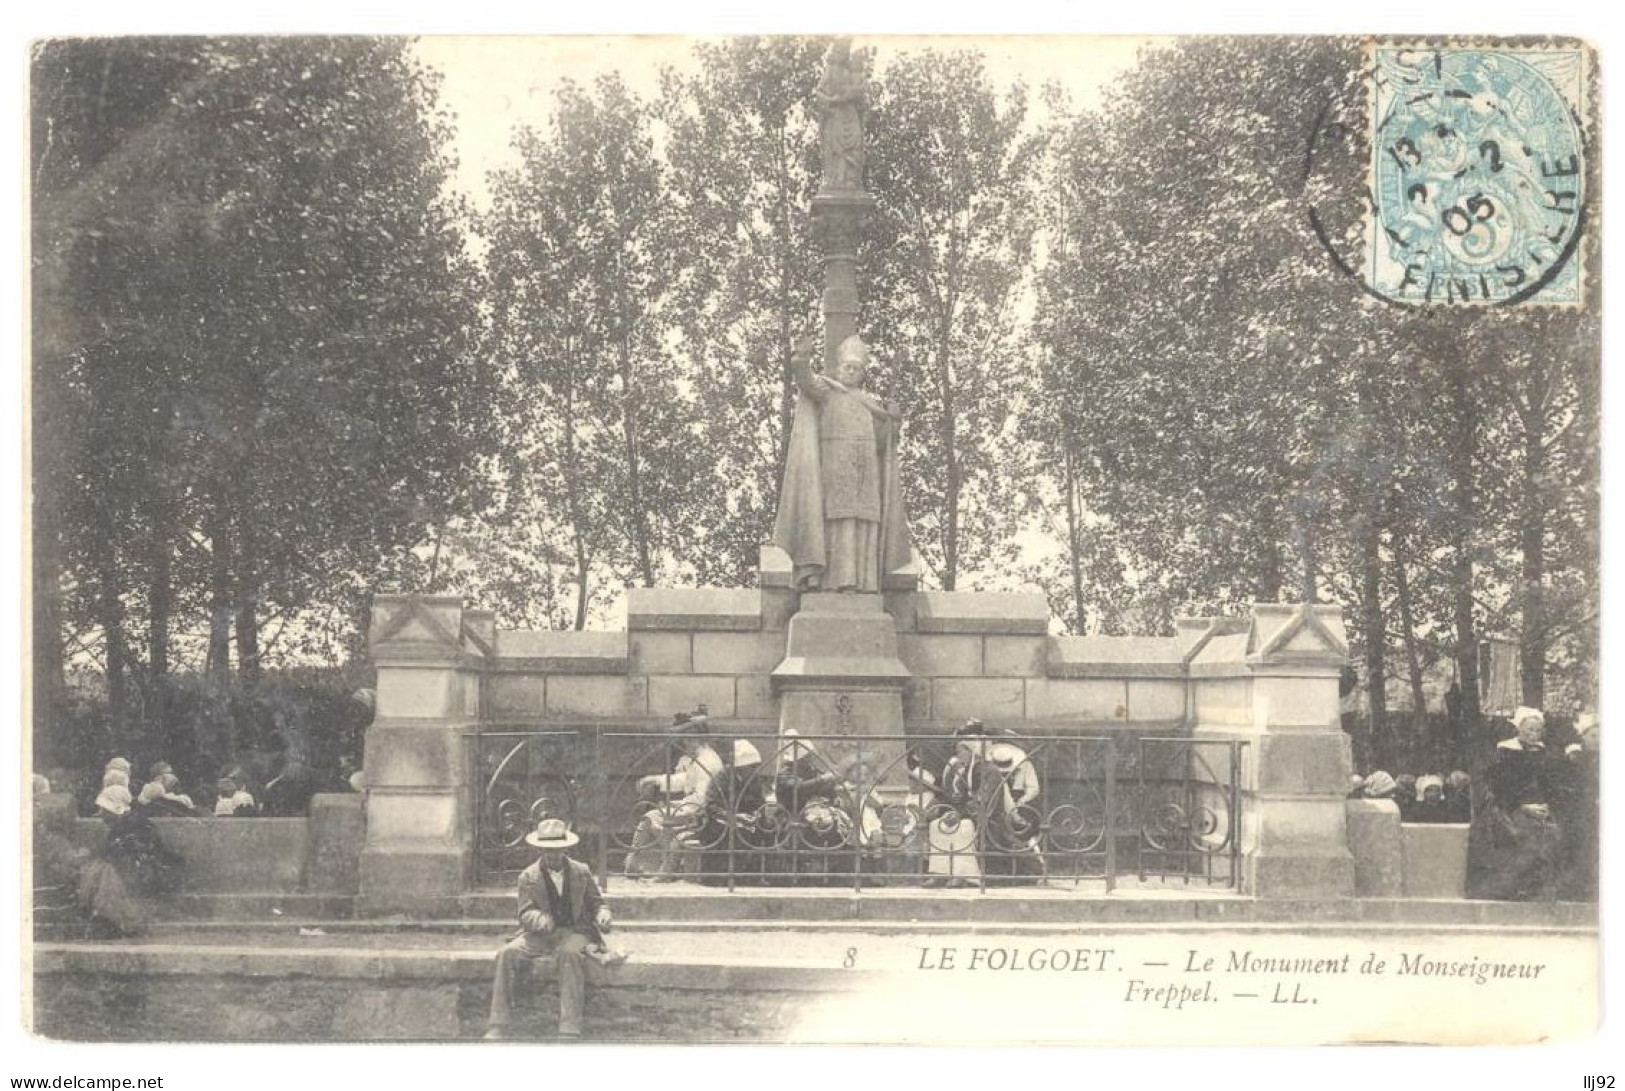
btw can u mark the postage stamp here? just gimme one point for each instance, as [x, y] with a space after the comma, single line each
[1477, 176]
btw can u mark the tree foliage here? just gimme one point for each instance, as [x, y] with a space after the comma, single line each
[254, 295]
[743, 150]
[952, 166]
[278, 365]
[1236, 420]
[581, 265]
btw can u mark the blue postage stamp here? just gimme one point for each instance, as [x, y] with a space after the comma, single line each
[1478, 175]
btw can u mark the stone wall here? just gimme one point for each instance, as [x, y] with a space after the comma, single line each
[313, 855]
[1434, 860]
[681, 648]
[1395, 859]
[1269, 681]
[988, 656]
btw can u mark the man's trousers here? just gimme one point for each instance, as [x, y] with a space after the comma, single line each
[567, 948]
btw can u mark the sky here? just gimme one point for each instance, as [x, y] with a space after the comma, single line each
[493, 85]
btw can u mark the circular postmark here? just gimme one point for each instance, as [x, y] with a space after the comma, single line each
[1475, 176]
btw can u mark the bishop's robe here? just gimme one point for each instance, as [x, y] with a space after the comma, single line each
[841, 516]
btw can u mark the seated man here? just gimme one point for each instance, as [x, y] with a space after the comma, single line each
[561, 913]
[671, 829]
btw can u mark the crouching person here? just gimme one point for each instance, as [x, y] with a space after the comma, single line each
[562, 914]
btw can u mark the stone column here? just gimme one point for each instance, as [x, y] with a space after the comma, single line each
[1275, 686]
[419, 844]
[838, 219]
[841, 205]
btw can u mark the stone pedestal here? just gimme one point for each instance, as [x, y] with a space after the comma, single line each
[841, 676]
[1275, 686]
[338, 832]
[419, 827]
[1376, 845]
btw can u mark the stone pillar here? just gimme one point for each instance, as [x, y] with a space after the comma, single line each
[419, 843]
[1275, 686]
[1377, 848]
[337, 835]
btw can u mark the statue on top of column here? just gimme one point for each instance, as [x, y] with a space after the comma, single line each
[840, 515]
[840, 127]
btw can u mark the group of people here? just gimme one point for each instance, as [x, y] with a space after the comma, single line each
[802, 820]
[984, 822]
[113, 888]
[161, 793]
[682, 816]
[235, 792]
[1426, 798]
[980, 814]
[1533, 814]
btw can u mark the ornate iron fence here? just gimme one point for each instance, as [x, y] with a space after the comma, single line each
[752, 809]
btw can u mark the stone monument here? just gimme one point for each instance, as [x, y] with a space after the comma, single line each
[838, 641]
[841, 520]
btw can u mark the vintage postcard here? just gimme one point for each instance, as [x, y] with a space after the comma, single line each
[794, 539]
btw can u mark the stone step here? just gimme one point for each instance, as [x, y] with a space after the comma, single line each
[704, 981]
[1046, 906]
[414, 935]
[680, 905]
[249, 907]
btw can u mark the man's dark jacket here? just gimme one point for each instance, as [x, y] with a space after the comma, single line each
[575, 907]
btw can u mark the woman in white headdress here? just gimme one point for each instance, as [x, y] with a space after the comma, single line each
[1431, 806]
[131, 866]
[114, 801]
[1380, 785]
[1515, 853]
[965, 795]
[162, 797]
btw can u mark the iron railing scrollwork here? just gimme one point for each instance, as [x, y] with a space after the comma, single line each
[847, 810]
